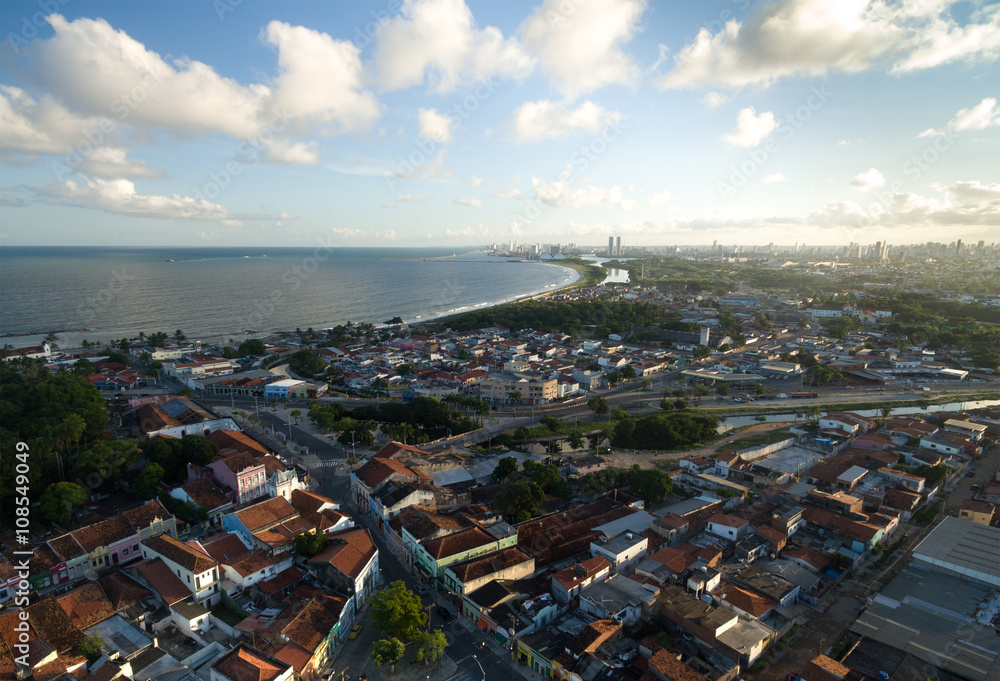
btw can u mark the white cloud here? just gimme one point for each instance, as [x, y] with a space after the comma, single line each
[579, 44]
[435, 126]
[536, 121]
[111, 162]
[817, 36]
[438, 39]
[659, 199]
[512, 194]
[979, 117]
[560, 194]
[750, 129]
[472, 203]
[869, 179]
[714, 100]
[774, 177]
[139, 91]
[843, 143]
[120, 197]
[45, 126]
[410, 198]
[476, 181]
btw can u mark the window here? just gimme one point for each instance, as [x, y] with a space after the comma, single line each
[125, 551]
[189, 579]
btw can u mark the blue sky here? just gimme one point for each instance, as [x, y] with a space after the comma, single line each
[446, 123]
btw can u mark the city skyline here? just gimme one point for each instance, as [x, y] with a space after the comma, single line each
[440, 123]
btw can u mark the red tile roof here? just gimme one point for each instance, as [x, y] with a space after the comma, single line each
[245, 663]
[669, 667]
[234, 439]
[206, 494]
[265, 514]
[823, 668]
[180, 553]
[477, 568]
[575, 575]
[162, 580]
[349, 553]
[394, 449]
[376, 471]
[747, 601]
[143, 516]
[460, 542]
[86, 606]
[53, 624]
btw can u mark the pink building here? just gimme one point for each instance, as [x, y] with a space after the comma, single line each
[241, 476]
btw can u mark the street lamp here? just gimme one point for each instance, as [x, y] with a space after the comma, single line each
[476, 658]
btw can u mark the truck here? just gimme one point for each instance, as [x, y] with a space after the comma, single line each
[925, 389]
[781, 396]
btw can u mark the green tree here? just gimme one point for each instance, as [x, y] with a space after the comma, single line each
[552, 423]
[650, 485]
[576, 440]
[398, 612]
[59, 500]
[722, 390]
[519, 497]
[179, 336]
[598, 405]
[84, 368]
[505, 467]
[101, 466]
[53, 340]
[252, 346]
[430, 645]
[388, 651]
[91, 647]
[626, 373]
[147, 481]
[514, 396]
[702, 352]
[309, 544]
[404, 369]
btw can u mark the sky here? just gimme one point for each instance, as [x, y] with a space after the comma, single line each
[445, 123]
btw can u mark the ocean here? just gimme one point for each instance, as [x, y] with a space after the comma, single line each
[213, 294]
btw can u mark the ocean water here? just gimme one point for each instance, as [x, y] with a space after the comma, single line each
[217, 293]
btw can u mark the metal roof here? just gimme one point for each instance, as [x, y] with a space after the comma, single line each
[963, 547]
[636, 522]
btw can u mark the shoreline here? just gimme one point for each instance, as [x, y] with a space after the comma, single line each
[238, 335]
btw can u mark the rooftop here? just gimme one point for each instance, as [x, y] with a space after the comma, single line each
[180, 553]
[963, 547]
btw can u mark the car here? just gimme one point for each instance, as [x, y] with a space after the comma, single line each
[975, 487]
[443, 612]
[970, 474]
[355, 630]
[422, 590]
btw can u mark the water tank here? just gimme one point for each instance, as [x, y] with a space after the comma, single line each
[884, 676]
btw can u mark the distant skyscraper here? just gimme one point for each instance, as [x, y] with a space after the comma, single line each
[618, 245]
[611, 246]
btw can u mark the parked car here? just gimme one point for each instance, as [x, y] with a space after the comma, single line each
[355, 630]
[443, 612]
[421, 589]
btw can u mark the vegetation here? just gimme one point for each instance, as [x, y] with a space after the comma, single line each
[430, 645]
[520, 500]
[59, 501]
[309, 544]
[398, 612]
[91, 647]
[649, 485]
[757, 440]
[388, 651]
[664, 430]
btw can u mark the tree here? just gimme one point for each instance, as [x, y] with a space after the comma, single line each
[147, 481]
[404, 369]
[514, 396]
[626, 373]
[724, 347]
[430, 645]
[252, 346]
[388, 651]
[105, 463]
[598, 405]
[91, 647]
[59, 500]
[651, 485]
[935, 475]
[680, 405]
[179, 336]
[505, 467]
[53, 340]
[722, 390]
[83, 368]
[519, 497]
[398, 612]
[552, 423]
[309, 544]
[702, 352]
[576, 440]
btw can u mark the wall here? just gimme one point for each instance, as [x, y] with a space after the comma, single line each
[755, 453]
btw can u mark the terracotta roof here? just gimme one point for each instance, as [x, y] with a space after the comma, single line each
[53, 624]
[575, 575]
[460, 542]
[67, 547]
[349, 553]
[376, 471]
[477, 568]
[823, 668]
[225, 547]
[239, 461]
[264, 514]
[234, 439]
[244, 663]
[162, 580]
[309, 503]
[271, 465]
[86, 606]
[592, 637]
[727, 520]
[152, 418]
[104, 533]
[181, 553]
[283, 579]
[394, 449]
[771, 535]
[143, 516]
[122, 591]
[38, 648]
[308, 622]
[669, 667]
[977, 506]
[808, 554]
[206, 494]
[295, 655]
[749, 602]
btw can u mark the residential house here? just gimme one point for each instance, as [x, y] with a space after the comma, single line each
[349, 564]
[306, 631]
[623, 551]
[507, 564]
[619, 598]
[198, 571]
[206, 494]
[568, 582]
[246, 663]
[433, 556]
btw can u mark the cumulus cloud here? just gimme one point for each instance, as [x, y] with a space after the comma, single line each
[119, 196]
[410, 198]
[512, 194]
[750, 129]
[815, 37]
[870, 179]
[579, 44]
[471, 203]
[714, 100]
[435, 126]
[560, 194]
[774, 177]
[544, 119]
[111, 162]
[979, 117]
[476, 181]
[438, 40]
[137, 91]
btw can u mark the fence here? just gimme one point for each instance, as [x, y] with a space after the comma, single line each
[754, 453]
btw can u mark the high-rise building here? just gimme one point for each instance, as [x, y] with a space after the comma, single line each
[618, 245]
[611, 246]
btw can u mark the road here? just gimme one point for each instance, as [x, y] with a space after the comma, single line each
[467, 649]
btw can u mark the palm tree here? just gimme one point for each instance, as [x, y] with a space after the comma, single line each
[514, 396]
[53, 340]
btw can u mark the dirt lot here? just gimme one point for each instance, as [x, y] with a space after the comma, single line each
[626, 458]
